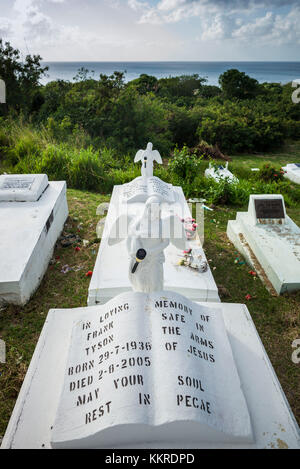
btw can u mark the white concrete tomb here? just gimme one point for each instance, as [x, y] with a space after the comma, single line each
[270, 242]
[28, 232]
[110, 274]
[292, 172]
[151, 385]
[220, 173]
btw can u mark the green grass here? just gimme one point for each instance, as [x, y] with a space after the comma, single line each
[289, 153]
[277, 319]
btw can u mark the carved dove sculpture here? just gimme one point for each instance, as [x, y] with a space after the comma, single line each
[147, 157]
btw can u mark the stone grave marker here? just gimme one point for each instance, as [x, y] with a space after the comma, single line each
[32, 214]
[269, 209]
[117, 392]
[151, 371]
[128, 202]
[292, 172]
[270, 242]
[219, 173]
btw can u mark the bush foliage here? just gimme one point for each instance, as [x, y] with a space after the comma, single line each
[87, 131]
[241, 115]
[34, 151]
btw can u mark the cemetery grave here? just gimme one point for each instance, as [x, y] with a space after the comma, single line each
[32, 214]
[292, 172]
[106, 283]
[270, 242]
[276, 319]
[219, 173]
[127, 203]
[140, 326]
[272, 424]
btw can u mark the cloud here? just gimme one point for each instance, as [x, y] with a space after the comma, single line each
[31, 23]
[226, 19]
[136, 5]
[5, 27]
[260, 27]
[172, 11]
[219, 27]
[271, 28]
[122, 30]
[166, 5]
[32, 29]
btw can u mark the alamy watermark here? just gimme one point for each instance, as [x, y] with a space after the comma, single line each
[2, 351]
[171, 228]
[296, 353]
[296, 93]
[2, 92]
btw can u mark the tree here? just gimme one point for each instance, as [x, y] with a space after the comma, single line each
[184, 86]
[144, 84]
[21, 77]
[236, 84]
[209, 91]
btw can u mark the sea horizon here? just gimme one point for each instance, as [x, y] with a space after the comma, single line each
[263, 71]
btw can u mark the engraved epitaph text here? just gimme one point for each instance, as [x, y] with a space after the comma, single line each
[269, 208]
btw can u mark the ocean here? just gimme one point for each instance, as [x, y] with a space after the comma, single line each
[280, 72]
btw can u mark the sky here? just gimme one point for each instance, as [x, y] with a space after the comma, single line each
[153, 30]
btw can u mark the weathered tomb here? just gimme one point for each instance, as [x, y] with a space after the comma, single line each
[270, 242]
[32, 215]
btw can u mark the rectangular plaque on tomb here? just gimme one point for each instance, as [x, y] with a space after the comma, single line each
[269, 208]
[22, 187]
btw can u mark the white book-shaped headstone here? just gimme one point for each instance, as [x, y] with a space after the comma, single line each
[150, 367]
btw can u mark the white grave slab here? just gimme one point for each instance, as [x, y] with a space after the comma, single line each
[22, 187]
[270, 242]
[292, 172]
[110, 273]
[35, 422]
[28, 233]
[220, 173]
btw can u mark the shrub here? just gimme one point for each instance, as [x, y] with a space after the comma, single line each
[237, 127]
[88, 171]
[184, 165]
[122, 176]
[53, 161]
[269, 173]
[203, 149]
